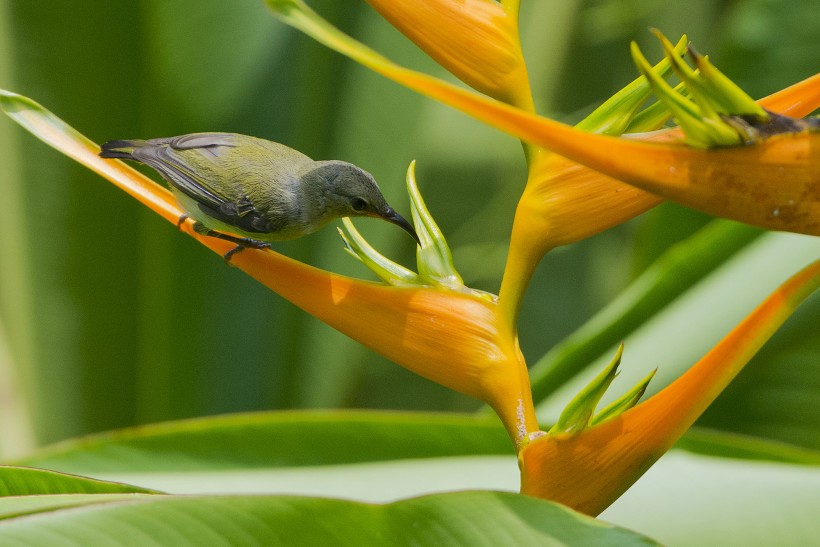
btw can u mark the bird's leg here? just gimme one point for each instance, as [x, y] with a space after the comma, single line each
[242, 243]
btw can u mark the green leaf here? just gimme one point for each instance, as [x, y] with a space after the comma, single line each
[689, 499]
[25, 481]
[17, 506]
[276, 439]
[711, 442]
[316, 453]
[463, 518]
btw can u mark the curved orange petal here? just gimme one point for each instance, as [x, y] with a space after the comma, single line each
[476, 40]
[590, 470]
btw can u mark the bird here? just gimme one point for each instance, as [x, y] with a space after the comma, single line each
[253, 191]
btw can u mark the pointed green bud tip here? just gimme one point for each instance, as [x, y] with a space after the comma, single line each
[727, 97]
[625, 402]
[711, 109]
[387, 270]
[433, 256]
[578, 413]
[618, 112]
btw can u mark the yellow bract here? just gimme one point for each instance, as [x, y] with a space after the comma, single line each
[476, 40]
[563, 202]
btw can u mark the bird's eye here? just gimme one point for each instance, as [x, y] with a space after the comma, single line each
[358, 204]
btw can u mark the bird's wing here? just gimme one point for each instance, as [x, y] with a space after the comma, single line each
[202, 140]
[242, 214]
[179, 174]
[162, 155]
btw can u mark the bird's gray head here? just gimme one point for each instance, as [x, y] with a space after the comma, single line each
[352, 191]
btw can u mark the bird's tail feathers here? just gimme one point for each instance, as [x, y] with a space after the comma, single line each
[120, 149]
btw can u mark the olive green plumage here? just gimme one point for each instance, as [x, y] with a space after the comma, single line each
[261, 190]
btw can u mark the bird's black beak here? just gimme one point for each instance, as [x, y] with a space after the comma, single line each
[393, 217]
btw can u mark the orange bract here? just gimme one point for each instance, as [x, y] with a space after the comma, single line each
[590, 470]
[452, 338]
[476, 40]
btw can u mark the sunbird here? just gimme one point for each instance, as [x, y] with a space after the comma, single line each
[261, 190]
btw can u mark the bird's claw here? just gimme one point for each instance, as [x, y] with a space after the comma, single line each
[242, 244]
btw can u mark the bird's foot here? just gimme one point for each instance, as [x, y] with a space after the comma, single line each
[181, 221]
[242, 243]
[202, 230]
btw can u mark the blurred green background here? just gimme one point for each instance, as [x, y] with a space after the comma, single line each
[109, 317]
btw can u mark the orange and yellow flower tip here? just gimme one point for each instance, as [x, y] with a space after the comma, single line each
[589, 470]
[476, 40]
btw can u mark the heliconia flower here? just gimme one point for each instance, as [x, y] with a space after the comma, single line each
[565, 202]
[476, 40]
[590, 469]
[425, 322]
[772, 183]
